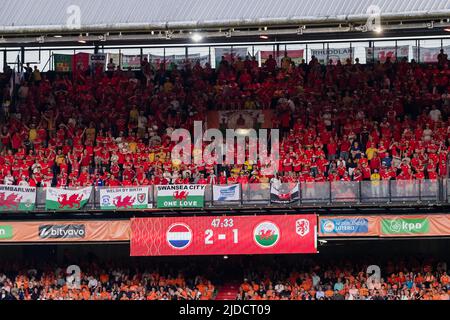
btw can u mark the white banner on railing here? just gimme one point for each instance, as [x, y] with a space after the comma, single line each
[382, 53]
[124, 198]
[17, 198]
[428, 55]
[227, 193]
[335, 54]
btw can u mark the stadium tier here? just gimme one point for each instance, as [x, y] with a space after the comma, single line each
[356, 126]
[412, 274]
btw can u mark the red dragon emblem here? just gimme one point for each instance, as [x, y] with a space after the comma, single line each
[126, 202]
[284, 196]
[74, 201]
[180, 195]
[266, 234]
[9, 202]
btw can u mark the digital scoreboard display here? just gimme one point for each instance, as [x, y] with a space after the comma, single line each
[224, 235]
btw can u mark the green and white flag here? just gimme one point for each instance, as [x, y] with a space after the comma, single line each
[17, 198]
[181, 196]
[123, 198]
[67, 199]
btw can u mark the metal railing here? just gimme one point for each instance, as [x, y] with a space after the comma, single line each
[337, 193]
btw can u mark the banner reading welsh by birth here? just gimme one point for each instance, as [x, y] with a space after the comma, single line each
[181, 196]
[16, 198]
[67, 199]
[123, 198]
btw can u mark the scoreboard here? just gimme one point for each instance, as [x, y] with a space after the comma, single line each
[224, 235]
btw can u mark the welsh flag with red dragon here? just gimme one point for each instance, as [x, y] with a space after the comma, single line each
[17, 198]
[67, 199]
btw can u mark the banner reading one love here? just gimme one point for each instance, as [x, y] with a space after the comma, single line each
[180, 196]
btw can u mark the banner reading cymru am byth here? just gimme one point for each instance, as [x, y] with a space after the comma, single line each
[67, 199]
[181, 196]
[124, 198]
[16, 198]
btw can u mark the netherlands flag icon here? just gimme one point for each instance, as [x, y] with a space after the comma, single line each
[179, 236]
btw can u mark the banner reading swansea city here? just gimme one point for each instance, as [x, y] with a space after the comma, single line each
[67, 199]
[16, 198]
[180, 196]
[124, 198]
[223, 235]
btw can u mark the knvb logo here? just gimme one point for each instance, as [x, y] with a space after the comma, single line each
[241, 146]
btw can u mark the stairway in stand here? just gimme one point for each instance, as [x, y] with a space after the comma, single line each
[228, 291]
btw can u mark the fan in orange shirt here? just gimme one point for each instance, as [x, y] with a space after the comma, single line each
[105, 295]
[104, 278]
[124, 297]
[245, 286]
[329, 292]
[445, 279]
[363, 291]
[85, 294]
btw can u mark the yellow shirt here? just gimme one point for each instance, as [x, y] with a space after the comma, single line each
[162, 156]
[132, 146]
[286, 63]
[236, 171]
[249, 105]
[168, 87]
[248, 164]
[134, 114]
[32, 134]
[59, 159]
[370, 152]
[90, 133]
[37, 76]
[375, 178]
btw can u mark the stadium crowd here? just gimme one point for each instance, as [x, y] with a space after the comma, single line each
[347, 280]
[265, 278]
[107, 282]
[339, 122]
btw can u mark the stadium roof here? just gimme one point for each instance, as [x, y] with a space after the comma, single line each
[98, 14]
[49, 17]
